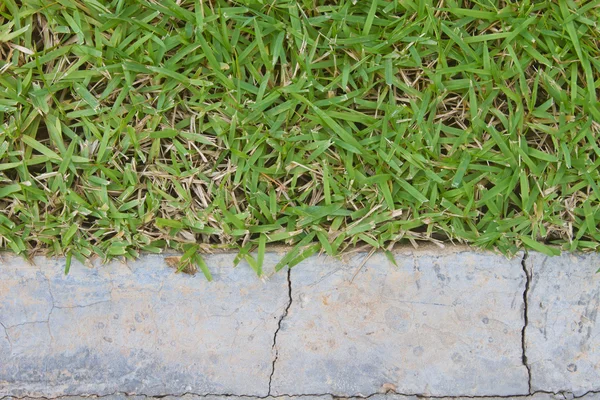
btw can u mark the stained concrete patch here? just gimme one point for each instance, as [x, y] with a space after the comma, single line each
[563, 332]
[137, 328]
[441, 325]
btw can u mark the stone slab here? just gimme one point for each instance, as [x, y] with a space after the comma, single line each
[137, 328]
[563, 332]
[440, 323]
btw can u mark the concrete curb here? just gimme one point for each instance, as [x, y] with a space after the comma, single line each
[445, 323]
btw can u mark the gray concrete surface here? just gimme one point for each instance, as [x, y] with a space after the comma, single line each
[563, 331]
[442, 323]
[429, 326]
[136, 328]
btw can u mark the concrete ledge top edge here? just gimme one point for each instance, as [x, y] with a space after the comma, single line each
[405, 249]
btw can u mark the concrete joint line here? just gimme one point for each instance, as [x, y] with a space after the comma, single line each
[285, 313]
[565, 394]
[525, 318]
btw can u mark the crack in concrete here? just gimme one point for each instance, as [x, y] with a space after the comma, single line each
[45, 321]
[7, 336]
[525, 319]
[53, 304]
[565, 394]
[84, 306]
[285, 313]
[587, 393]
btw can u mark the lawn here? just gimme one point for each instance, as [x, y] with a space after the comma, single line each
[195, 125]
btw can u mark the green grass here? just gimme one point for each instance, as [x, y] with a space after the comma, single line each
[140, 125]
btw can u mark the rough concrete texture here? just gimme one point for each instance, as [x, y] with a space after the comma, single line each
[563, 333]
[136, 328]
[440, 325]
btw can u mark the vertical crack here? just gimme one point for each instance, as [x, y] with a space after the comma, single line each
[53, 304]
[7, 335]
[285, 313]
[525, 319]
